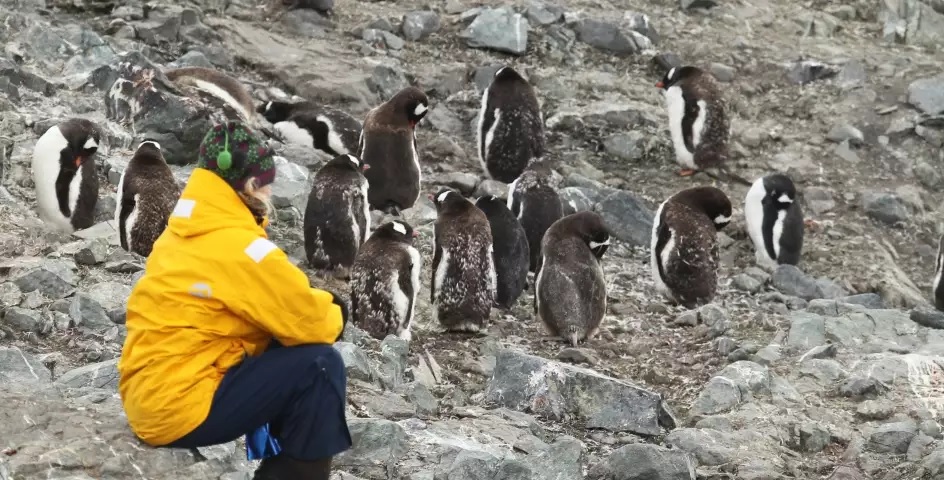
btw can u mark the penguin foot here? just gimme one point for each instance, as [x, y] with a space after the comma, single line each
[686, 172]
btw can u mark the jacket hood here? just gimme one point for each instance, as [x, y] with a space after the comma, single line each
[208, 204]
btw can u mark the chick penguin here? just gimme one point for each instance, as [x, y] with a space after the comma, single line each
[684, 249]
[774, 220]
[385, 281]
[388, 145]
[537, 205]
[305, 123]
[938, 275]
[510, 255]
[337, 220]
[64, 174]
[147, 194]
[698, 118]
[464, 279]
[510, 128]
[570, 290]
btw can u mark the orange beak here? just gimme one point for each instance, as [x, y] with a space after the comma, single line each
[430, 197]
[78, 161]
[365, 168]
[415, 234]
[660, 84]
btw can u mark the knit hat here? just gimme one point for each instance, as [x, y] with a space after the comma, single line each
[247, 156]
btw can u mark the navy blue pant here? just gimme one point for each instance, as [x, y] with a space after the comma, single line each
[299, 391]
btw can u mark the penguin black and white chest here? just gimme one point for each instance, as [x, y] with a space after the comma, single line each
[774, 220]
[511, 254]
[938, 283]
[570, 290]
[337, 220]
[385, 281]
[534, 201]
[147, 194]
[684, 249]
[510, 129]
[698, 118]
[230, 91]
[388, 145]
[305, 123]
[64, 174]
[464, 279]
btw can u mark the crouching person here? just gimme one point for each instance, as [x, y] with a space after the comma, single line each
[225, 335]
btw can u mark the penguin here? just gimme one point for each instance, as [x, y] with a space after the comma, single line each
[510, 128]
[337, 220]
[217, 84]
[388, 144]
[305, 123]
[147, 194]
[938, 286]
[64, 174]
[511, 255]
[570, 289]
[385, 281]
[684, 249]
[535, 202]
[774, 220]
[464, 278]
[698, 118]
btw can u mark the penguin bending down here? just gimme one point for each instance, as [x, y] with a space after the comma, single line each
[938, 286]
[388, 144]
[774, 220]
[511, 255]
[570, 290]
[510, 128]
[219, 85]
[64, 174]
[385, 281]
[537, 205]
[305, 123]
[147, 194]
[337, 220]
[684, 249]
[464, 279]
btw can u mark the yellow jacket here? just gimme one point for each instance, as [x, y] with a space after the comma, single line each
[214, 290]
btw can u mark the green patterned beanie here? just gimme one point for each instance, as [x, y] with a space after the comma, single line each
[235, 153]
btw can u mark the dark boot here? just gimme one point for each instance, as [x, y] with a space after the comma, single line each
[283, 467]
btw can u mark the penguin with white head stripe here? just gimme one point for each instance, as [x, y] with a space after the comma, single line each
[64, 174]
[510, 129]
[774, 220]
[938, 285]
[306, 123]
[147, 194]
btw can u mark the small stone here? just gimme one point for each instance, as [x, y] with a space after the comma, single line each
[625, 146]
[643, 461]
[860, 386]
[746, 283]
[578, 355]
[843, 132]
[491, 187]
[610, 37]
[767, 355]
[808, 71]
[927, 94]
[724, 345]
[629, 219]
[382, 39]
[888, 208]
[10, 295]
[812, 437]
[27, 321]
[928, 317]
[715, 318]
[498, 29]
[693, 4]
[875, 409]
[54, 279]
[930, 428]
[463, 182]
[819, 200]
[93, 252]
[542, 14]
[419, 25]
[723, 73]
[688, 318]
[892, 438]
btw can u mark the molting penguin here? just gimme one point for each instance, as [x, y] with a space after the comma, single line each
[537, 205]
[305, 123]
[570, 290]
[219, 85]
[511, 254]
[147, 194]
[464, 279]
[337, 220]
[938, 285]
[64, 174]
[510, 129]
[385, 281]
[684, 249]
[388, 145]
[774, 220]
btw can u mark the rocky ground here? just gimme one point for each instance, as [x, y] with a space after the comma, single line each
[833, 370]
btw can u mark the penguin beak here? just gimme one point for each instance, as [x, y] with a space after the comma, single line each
[430, 197]
[78, 161]
[365, 168]
[660, 84]
[415, 234]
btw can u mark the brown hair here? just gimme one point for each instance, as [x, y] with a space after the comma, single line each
[258, 203]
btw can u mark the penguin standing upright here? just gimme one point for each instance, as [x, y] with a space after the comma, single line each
[510, 129]
[464, 279]
[64, 174]
[938, 287]
[147, 194]
[774, 220]
[305, 123]
[698, 118]
[219, 85]
[388, 145]
[570, 290]
[537, 205]
[385, 281]
[511, 254]
[337, 220]
[684, 249]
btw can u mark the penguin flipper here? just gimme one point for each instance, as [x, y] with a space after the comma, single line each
[124, 211]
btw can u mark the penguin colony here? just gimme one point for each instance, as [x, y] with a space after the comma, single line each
[483, 249]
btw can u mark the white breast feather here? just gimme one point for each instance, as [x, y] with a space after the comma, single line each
[218, 92]
[334, 140]
[119, 193]
[521, 211]
[45, 165]
[940, 270]
[292, 133]
[366, 211]
[754, 217]
[74, 187]
[653, 255]
[478, 130]
[355, 226]
[490, 135]
[416, 162]
[675, 105]
[129, 222]
[778, 230]
[492, 274]
[440, 276]
[537, 283]
[401, 303]
[698, 126]
[415, 280]
[511, 193]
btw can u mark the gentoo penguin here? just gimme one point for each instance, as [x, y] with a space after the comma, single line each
[219, 85]
[938, 276]
[464, 279]
[305, 123]
[510, 128]
[147, 194]
[388, 144]
[337, 220]
[774, 220]
[64, 174]
[570, 290]
[511, 254]
[385, 281]
[684, 250]
[698, 119]
[535, 202]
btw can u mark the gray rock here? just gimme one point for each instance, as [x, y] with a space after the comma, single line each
[930, 428]
[10, 295]
[610, 37]
[382, 39]
[858, 386]
[628, 218]
[723, 73]
[88, 313]
[892, 437]
[649, 462]
[387, 80]
[692, 4]
[482, 77]
[356, 362]
[491, 187]
[423, 212]
[810, 437]
[715, 318]
[445, 120]
[725, 345]
[193, 58]
[498, 29]
[928, 317]
[394, 353]
[420, 397]
[540, 13]
[93, 252]
[819, 200]
[767, 355]
[575, 199]
[24, 320]
[746, 283]
[53, 278]
[911, 22]
[378, 446]
[867, 300]
[625, 146]
[927, 94]
[920, 446]
[21, 371]
[807, 330]
[808, 71]
[97, 375]
[843, 132]
[888, 208]
[790, 280]
[290, 186]
[561, 460]
[736, 383]
[419, 25]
